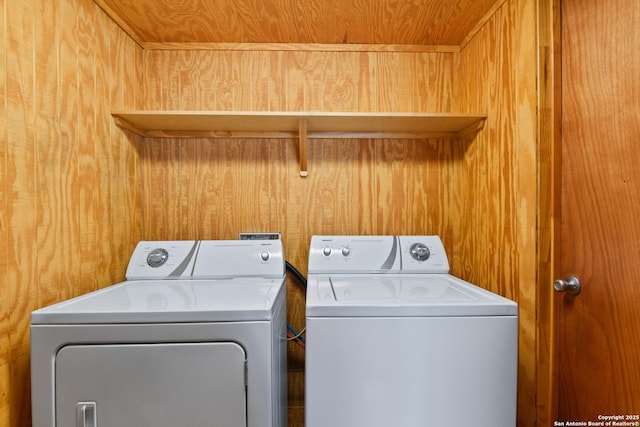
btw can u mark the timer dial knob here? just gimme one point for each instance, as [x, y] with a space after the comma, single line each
[420, 251]
[157, 257]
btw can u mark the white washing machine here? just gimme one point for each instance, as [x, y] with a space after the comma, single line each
[393, 340]
[196, 336]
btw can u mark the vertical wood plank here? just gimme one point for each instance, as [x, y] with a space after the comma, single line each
[87, 167]
[101, 143]
[550, 172]
[56, 103]
[47, 102]
[124, 179]
[21, 210]
[105, 139]
[161, 93]
[526, 205]
[5, 343]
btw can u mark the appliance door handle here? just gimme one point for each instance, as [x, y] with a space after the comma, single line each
[86, 414]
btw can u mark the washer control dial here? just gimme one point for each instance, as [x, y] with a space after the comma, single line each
[420, 251]
[157, 257]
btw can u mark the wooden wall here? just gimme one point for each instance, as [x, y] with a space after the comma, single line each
[480, 194]
[70, 184]
[496, 243]
[77, 194]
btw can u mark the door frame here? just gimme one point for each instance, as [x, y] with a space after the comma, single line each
[549, 207]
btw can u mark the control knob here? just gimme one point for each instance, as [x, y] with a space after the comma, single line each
[157, 257]
[420, 251]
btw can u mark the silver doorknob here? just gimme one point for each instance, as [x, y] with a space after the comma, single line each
[571, 284]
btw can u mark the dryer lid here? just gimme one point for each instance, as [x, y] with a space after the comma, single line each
[169, 301]
[402, 295]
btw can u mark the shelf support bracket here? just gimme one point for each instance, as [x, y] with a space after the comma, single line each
[302, 137]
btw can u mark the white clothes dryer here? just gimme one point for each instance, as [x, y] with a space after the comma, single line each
[196, 336]
[392, 339]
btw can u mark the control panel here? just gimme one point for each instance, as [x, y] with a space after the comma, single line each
[187, 259]
[162, 259]
[423, 254]
[235, 258]
[377, 254]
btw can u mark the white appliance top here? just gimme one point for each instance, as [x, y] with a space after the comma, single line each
[384, 276]
[183, 281]
[164, 301]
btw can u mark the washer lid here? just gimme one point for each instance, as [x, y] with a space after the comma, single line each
[169, 301]
[402, 295]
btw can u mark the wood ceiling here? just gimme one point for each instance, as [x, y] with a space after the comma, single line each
[393, 22]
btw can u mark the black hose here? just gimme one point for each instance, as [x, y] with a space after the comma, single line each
[302, 281]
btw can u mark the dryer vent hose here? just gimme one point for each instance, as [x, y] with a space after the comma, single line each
[293, 335]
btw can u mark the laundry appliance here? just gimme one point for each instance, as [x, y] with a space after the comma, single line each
[393, 339]
[196, 336]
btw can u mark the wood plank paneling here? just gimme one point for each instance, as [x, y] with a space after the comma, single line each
[123, 179]
[21, 212]
[443, 22]
[5, 343]
[527, 204]
[299, 81]
[496, 238]
[75, 182]
[68, 179]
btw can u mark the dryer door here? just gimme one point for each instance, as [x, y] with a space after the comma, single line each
[159, 385]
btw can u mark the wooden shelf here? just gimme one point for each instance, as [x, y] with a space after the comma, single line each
[302, 125]
[270, 124]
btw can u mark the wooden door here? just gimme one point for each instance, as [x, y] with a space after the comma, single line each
[599, 329]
